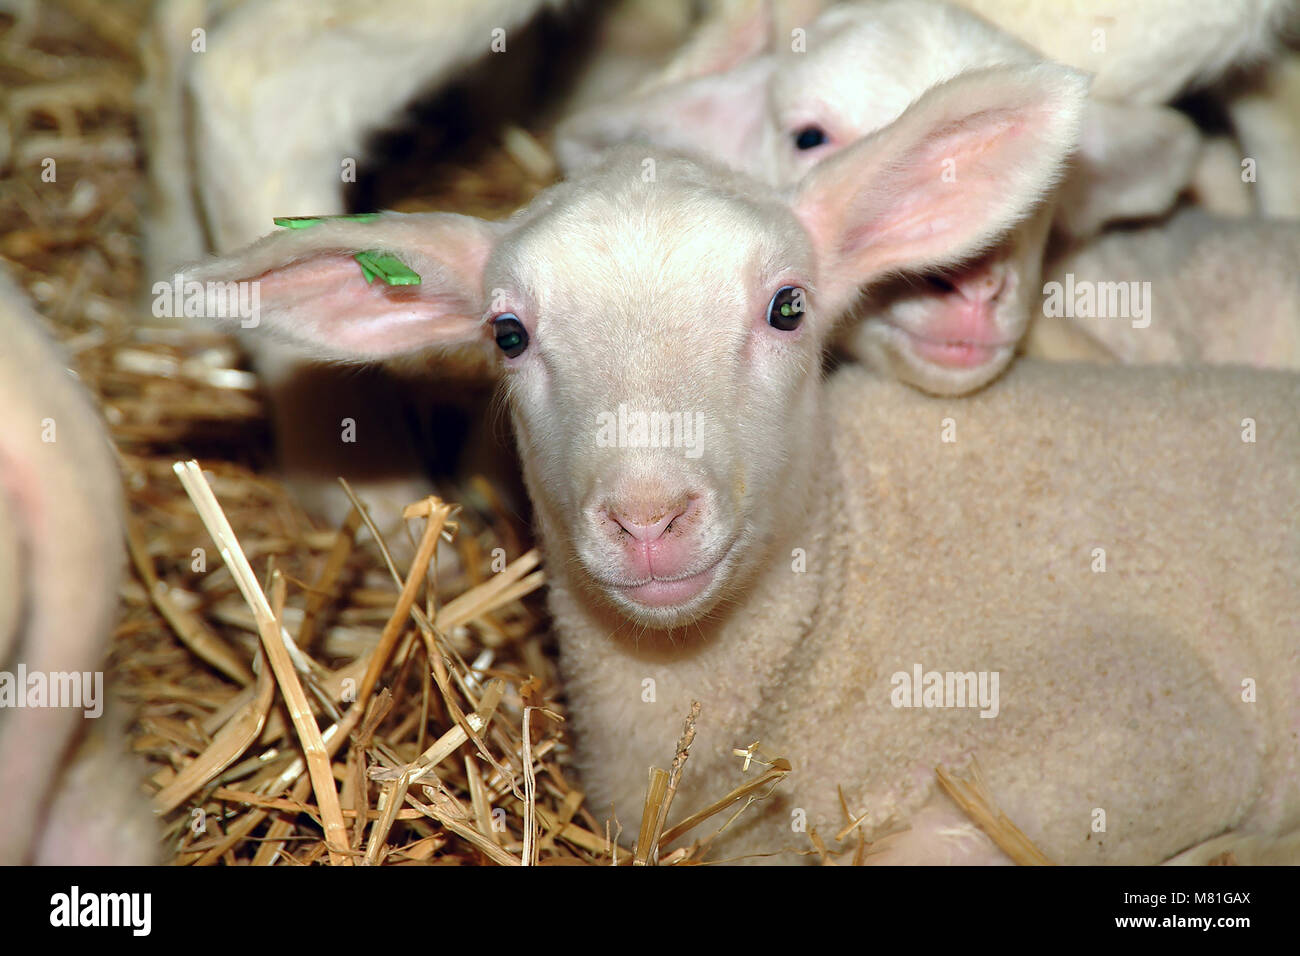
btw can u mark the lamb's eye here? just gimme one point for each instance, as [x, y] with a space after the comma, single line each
[810, 137]
[786, 309]
[511, 336]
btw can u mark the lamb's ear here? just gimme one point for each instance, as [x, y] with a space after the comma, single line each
[709, 100]
[719, 116]
[306, 288]
[957, 170]
[1133, 162]
[738, 30]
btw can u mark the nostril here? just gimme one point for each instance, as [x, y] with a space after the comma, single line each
[647, 529]
[983, 286]
[996, 284]
[940, 283]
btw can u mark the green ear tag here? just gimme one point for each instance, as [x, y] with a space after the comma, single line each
[374, 264]
[365, 269]
[306, 222]
[387, 267]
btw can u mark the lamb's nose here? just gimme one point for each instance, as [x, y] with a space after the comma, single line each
[648, 529]
[981, 285]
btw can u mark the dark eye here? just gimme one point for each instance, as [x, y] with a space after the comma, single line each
[810, 137]
[511, 336]
[786, 309]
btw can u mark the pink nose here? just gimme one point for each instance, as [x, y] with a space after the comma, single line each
[647, 530]
[648, 547]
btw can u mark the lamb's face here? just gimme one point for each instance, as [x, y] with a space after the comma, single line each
[948, 331]
[951, 331]
[661, 374]
[863, 70]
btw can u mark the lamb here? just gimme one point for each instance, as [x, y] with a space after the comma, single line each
[1148, 53]
[1208, 290]
[817, 542]
[776, 115]
[60, 563]
[1143, 54]
[951, 331]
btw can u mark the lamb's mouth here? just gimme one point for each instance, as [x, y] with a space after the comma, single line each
[667, 593]
[954, 353]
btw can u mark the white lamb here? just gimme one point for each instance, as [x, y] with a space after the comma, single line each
[793, 557]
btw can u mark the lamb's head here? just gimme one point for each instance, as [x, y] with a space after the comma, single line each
[659, 324]
[862, 65]
[947, 331]
[654, 335]
[778, 110]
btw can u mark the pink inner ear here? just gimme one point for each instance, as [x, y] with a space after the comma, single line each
[329, 299]
[962, 166]
[919, 205]
[972, 135]
[320, 277]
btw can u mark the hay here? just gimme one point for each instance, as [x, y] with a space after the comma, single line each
[301, 699]
[972, 794]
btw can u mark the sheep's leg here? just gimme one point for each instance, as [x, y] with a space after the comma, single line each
[1217, 185]
[286, 94]
[174, 234]
[1267, 118]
